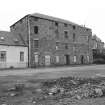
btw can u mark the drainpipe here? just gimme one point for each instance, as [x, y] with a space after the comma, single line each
[29, 46]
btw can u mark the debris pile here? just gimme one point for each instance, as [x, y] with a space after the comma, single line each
[62, 91]
[16, 90]
[75, 88]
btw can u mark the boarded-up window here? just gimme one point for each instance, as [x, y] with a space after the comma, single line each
[36, 43]
[75, 59]
[3, 56]
[36, 58]
[21, 56]
[47, 60]
[57, 59]
[88, 58]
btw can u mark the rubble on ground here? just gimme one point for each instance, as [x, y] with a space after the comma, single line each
[75, 88]
[62, 91]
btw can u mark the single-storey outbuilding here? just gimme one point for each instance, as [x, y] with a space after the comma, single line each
[13, 51]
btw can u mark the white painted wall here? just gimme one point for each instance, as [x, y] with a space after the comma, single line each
[13, 56]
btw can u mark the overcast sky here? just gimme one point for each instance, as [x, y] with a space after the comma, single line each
[88, 12]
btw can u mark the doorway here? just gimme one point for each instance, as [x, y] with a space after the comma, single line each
[82, 59]
[67, 57]
[47, 60]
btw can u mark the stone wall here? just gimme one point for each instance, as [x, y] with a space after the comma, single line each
[50, 32]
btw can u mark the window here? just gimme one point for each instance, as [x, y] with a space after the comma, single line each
[57, 45]
[88, 58]
[73, 37]
[57, 59]
[36, 43]
[87, 38]
[36, 29]
[65, 24]
[36, 58]
[57, 33]
[74, 49]
[2, 38]
[3, 56]
[56, 24]
[66, 34]
[96, 45]
[75, 59]
[74, 27]
[47, 60]
[66, 46]
[21, 56]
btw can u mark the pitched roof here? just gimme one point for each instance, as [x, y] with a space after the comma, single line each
[56, 19]
[94, 37]
[8, 38]
[52, 19]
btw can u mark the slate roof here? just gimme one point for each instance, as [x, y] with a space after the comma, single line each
[52, 18]
[8, 38]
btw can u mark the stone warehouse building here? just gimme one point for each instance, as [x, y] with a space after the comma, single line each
[54, 41]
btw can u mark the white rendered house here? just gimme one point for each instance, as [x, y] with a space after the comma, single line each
[13, 51]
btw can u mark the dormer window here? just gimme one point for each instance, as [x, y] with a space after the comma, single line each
[16, 40]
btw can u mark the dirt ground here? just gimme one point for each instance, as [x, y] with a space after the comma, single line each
[28, 94]
[26, 89]
[95, 69]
